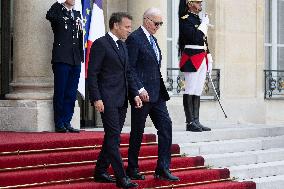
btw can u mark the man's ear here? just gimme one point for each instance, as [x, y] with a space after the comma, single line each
[115, 26]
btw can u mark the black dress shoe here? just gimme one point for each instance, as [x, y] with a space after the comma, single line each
[134, 174]
[71, 129]
[61, 130]
[125, 182]
[104, 178]
[165, 174]
[202, 126]
[193, 127]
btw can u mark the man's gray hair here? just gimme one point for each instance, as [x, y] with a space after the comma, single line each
[152, 12]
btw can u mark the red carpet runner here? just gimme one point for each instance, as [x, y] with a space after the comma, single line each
[67, 161]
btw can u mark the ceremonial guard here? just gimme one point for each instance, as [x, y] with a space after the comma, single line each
[67, 55]
[195, 59]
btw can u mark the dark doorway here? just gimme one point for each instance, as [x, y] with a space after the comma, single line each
[6, 32]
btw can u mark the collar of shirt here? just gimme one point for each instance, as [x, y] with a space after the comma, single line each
[146, 33]
[67, 7]
[113, 37]
[194, 14]
[148, 36]
[72, 13]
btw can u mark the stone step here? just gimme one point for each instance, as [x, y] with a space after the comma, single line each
[244, 158]
[251, 152]
[257, 170]
[273, 182]
[227, 134]
[230, 146]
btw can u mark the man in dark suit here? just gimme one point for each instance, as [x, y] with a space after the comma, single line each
[145, 60]
[110, 81]
[67, 55]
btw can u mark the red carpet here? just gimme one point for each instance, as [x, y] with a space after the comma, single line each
[66, 161]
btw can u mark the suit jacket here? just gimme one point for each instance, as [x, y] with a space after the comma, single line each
[109, 76]
[68, 35]
[192, 58]
[145, 65]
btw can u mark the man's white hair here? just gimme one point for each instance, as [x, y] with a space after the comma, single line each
[152, 12]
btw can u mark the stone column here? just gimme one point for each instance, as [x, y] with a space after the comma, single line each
[29, 105]
[32, 47]
[136, 8]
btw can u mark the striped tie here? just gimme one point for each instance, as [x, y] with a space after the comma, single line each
[154, 46]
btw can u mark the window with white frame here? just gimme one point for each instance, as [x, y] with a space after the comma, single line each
[274, 34]
[172, 33]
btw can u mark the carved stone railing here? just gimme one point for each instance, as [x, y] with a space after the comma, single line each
[176, 84]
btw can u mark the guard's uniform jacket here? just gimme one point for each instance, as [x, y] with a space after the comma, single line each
[195, 43]
[68, 35]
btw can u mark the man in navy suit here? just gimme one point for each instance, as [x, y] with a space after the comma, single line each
[67, 55]
[110, 85]
[145, 60]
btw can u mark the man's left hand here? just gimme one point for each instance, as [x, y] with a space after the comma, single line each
[144, 96]
[138, 102]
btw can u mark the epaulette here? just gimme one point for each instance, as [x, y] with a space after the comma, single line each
[185, 16]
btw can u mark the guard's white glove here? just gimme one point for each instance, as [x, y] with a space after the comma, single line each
[205, 19]
[204, 24]
[210, 62]
[61, 1]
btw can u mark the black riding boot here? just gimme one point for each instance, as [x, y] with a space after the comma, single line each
[188, 110]
[196, 107]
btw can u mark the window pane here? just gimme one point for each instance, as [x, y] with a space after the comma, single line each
[169, 19]
[280, 60]
[268, 58]
[268, 21]
[169, 55]
[280, 22]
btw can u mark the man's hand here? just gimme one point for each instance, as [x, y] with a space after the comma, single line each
[138, 102]
[99, 105]
[209, 70]
[205, 19]
[210, 62]
[144, 96]
[204, 24]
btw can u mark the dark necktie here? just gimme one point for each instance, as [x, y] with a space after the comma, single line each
[70, 14]
[120, 48]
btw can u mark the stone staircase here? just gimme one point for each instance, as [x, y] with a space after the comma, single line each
[250, 152]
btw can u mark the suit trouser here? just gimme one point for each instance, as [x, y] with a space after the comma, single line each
[113, 120]
[66, 79]
[194, 81]
[159, 115]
